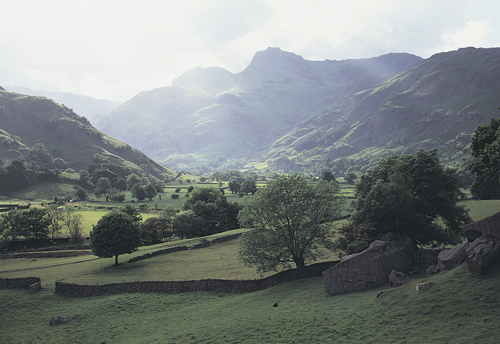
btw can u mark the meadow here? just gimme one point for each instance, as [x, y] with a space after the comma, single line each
[454, 307]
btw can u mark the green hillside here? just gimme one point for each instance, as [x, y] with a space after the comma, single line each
[26, 121]
[435, 104]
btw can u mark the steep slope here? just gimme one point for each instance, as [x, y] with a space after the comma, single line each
[210, 116]
[437, 103]
[26, 120]
[85, 106]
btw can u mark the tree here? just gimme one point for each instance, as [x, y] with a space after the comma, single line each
[158, 229]
[84, 177]
[114, 234]
[187, 224]
[290, 220]
[212, 206]
[234, 185]
[37, 225]
[350, 178]
[102, 188]
[138, 192]
[55, 215]
[81, 194]
[248, 186]
[73, 222]
[411, 194]
[328, 176]
[485, 148]
[150, 191]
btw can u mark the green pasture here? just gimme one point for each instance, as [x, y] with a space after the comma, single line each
[453, 308]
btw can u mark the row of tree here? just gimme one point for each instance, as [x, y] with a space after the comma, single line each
[34, 225]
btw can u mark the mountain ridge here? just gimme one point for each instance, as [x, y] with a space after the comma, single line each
[238, 115]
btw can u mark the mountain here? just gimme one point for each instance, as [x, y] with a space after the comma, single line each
[26, 121]
[85, 106]
[435, 104]
[210, 117]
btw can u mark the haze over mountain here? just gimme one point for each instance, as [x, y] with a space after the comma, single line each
[26, 121]
[211, 118]
[85, 106]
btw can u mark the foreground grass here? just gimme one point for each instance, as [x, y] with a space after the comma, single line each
[454, 308]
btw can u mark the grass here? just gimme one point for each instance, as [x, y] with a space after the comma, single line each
[453, 308]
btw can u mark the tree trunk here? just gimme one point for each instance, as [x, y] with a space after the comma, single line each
[116, 260]
[299, 262]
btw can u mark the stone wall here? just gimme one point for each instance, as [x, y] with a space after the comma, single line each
[426, 257]
[23, 282]
[213, 285]
[36, 255]
[201, 244]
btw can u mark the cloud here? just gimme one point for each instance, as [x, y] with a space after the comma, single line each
[474, 33]
[118, 48]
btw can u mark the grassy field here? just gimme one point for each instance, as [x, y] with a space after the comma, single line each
[454, 307]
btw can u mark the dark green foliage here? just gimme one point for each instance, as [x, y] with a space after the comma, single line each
[187, 225]
[150, 191]
[328, 176]
[485, 148]
[81, 194]
[175, 196]
[290, 219]
[14, 176]
[133, 212]
[248, 186]
[350, 178]
[116, 233]
[412, 194]
[211, 205]
[158, 229]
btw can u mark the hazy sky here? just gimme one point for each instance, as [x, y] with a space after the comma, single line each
[115, 49]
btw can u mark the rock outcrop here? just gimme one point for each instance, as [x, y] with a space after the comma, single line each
[58, 320]
[397, 278]
[484, 247]
[448, 259]
[372, 266]
[481, 253]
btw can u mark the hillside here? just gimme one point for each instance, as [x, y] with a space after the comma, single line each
[210, 117]
[437, 103]
[85, 106]
[27, 120]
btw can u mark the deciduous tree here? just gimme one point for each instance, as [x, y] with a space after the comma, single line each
[290, 220]
[114, 234]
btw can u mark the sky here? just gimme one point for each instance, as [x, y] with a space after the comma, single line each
[115, 49]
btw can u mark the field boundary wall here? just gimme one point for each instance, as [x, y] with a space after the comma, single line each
[212, 285]
[22, 282]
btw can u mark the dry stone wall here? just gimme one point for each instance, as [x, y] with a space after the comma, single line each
[201, 244]
[23, 282]
[213, 285]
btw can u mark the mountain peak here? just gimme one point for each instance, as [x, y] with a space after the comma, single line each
[274, 59]
[206, 79]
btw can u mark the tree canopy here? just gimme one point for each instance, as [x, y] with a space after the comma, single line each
[290, 219]
[114, 234]
[485, 148]
[209, 204]
[412, 194]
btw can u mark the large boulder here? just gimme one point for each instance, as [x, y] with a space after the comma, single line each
[372, 266]
[397, 278]
[481, 253]
[489, 226]
[448, 260]
[58, 320]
